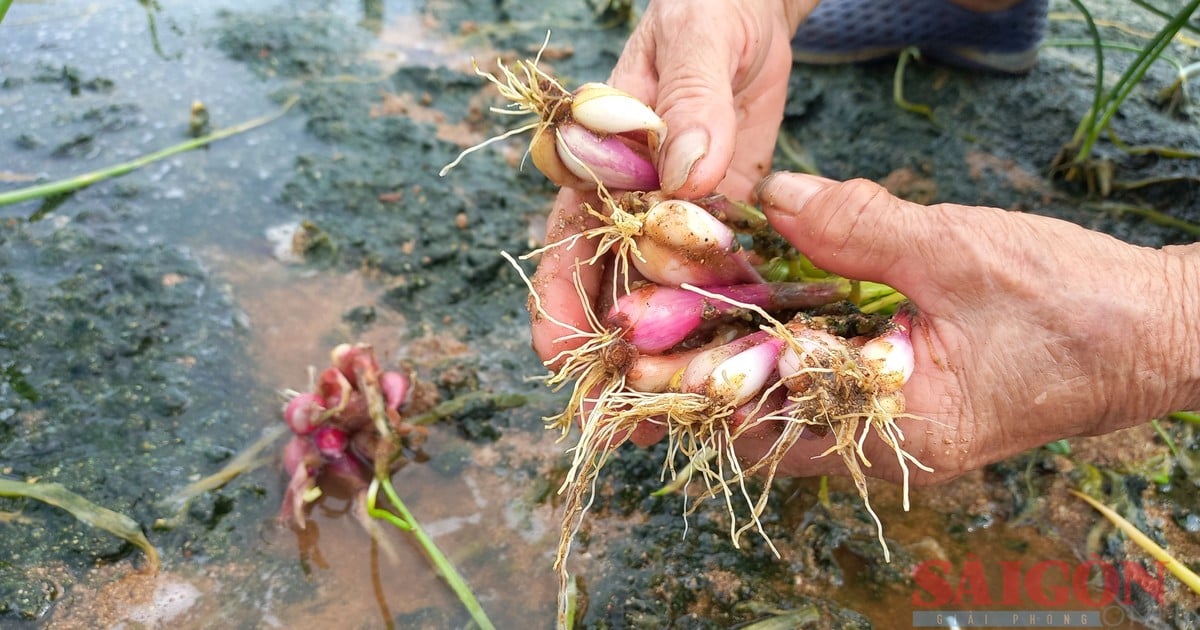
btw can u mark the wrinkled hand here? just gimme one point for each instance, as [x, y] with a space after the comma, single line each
[716, 72]
[1029, 329]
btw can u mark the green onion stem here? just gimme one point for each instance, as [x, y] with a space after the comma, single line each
[1185, 416]
[1177, 568]
[898, 84]
[883, 303]
[72, 184]
[4, 4]
[1132, 76]
[1080, 43]
[1098, 90]
[407, 522]
[1163, 14]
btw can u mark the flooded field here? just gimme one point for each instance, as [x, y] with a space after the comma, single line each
[150, 322]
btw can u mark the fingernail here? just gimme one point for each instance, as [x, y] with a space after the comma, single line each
[682, 155]
[789, 190]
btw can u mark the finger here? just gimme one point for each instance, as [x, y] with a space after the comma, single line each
[695, 97]
[558, 313]
[635, 71]
[856, 229]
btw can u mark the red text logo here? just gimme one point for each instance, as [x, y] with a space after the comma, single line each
[1044, 584]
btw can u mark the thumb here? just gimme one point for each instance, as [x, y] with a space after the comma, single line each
[855, 229]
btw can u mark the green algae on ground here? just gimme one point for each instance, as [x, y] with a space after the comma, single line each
[648, 570]
[376, 196]
[290, 44]
[118, 354]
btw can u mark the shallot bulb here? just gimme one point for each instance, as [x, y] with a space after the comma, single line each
[608, 138]
[890, 356]
[811, 354]
[657, 372]
[656, 318]
[395, 386]
[573, 156]
[682, 243]
[594, 136]
[354, 360]
[331, 442]
[304, 412]
[734, 373]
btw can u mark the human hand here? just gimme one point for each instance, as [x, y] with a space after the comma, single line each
[1029, 329]
[716, 72]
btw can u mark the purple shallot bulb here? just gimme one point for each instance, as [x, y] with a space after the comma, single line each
[656, 318]
[331, 442]
[395, 386]
[352, 360]
[612, 160]
[304, 412]
[302, 462]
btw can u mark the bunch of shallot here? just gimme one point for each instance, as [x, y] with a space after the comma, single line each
[348, 427]
[595, 136]
[690, 341]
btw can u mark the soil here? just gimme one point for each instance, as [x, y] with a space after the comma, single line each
[149, 322]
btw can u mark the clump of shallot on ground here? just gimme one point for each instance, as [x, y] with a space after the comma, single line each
[689, 339]
[347, 428]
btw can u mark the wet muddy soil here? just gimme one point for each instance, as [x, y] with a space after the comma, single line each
[148, 324]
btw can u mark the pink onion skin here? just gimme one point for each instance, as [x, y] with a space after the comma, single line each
[331, 442]
[656, 318]
[653, 373]
[670, 267]
[740, 378]
[351, 360]
[890, 356]
[614, 161]
[349, 407]
[302, 462]
[682, 243]
[301, 452]
[736, 372]
[303, 413]
[395, 386]
[333, 387]
[696, 376]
